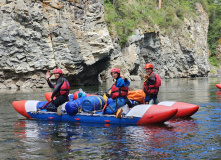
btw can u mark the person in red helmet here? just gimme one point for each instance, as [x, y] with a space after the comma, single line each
[151, 85]
[119, 92]
[61, 90]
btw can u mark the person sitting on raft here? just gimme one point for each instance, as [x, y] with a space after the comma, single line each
[151, 85]
[61, 91]
[119, 92]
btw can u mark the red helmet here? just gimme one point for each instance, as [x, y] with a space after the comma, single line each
[148, 65]
[57, 71]
[115, 70]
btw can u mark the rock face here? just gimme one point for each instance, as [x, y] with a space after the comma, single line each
[182, 53]
[38, 35]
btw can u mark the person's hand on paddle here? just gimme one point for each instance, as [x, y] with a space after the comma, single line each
[108, 95]
[48, 75]
[146, 76]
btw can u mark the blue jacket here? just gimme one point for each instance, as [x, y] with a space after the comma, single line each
[122, 83]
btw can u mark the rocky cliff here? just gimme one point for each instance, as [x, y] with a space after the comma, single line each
[38, 35]
[182, 53]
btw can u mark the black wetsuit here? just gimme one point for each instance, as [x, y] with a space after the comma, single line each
[60, 99]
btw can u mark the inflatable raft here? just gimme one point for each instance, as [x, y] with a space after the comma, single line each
[184, 109]
[218, 86]
[140, 114]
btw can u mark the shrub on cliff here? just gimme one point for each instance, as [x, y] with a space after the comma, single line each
[214, 33]
[123, 16]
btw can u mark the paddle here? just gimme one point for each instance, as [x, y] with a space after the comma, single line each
[45, 104]
[105, 106]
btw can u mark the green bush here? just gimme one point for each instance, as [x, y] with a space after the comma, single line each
[214, 61]
[212, 71]
[214, 34]
[123, 16]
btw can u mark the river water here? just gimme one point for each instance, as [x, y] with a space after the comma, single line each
[198, 137]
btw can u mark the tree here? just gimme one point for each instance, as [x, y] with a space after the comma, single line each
[159, 4]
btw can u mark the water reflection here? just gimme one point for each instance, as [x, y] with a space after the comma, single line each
[69, 140]
[184, 125]
[39, 138]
